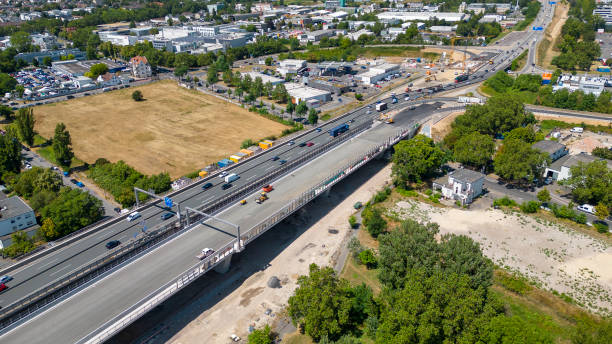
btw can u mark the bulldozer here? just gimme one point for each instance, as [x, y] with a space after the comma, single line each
[385, 118]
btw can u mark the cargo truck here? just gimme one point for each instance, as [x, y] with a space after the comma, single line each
[339, 130]
[231, 177]
[381, 106]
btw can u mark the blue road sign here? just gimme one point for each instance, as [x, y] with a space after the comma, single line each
[537, 28]
[168, 202]
[552, 2]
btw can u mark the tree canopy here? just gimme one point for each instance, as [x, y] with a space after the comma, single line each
[518, 161]
[591, 183]
[474, 149]
[416, 159]
[62, 145]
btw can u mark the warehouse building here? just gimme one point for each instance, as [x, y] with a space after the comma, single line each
[378, 73]
[265, 78]
[423, 16]
[76, 68]
[312, 96]
[291, 66]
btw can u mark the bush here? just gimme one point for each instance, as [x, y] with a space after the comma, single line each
[359, 96]
[367, 258]
[381, 196]
[601, 228]
[580, 218]
[504, 202]
[355, 247]
[530, 207]
[247, 143]
[353, 221]
[261, 336]
[21, 244]
[137, 96]
[562, 212]
[373, 221]
[407, 193]
[513, 283]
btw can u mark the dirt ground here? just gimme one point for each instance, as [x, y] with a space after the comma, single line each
[174, 130]
[585, 142]
[440, 129]
[552, 255]
[551, 36]
[320, 243]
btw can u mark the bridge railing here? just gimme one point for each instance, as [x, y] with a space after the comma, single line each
[130, 315]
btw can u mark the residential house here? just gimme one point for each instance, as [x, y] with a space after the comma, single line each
[140, 67]
[561, 169]
[462, 185]
[15, 215]
[554, 149]
[108, 80]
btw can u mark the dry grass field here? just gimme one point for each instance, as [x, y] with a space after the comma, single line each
[174, 130]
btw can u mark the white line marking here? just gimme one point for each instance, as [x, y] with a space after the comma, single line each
[64, 268]
[51, 262]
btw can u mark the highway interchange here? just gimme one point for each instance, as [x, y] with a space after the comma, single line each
[127, 286]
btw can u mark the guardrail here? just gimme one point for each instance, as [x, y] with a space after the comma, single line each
[58, 288]
[130, 315]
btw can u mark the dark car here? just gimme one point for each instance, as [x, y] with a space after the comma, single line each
[274, 158]
[226, 186]
[319, 130]
[207, 186]
[303, 144]
[282, 162]
[166, 216]
[74, 181]
[112, 244]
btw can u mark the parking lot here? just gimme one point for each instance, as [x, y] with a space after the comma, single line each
[605, 43]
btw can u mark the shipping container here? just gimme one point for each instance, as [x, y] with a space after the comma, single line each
[264, 145]
[241, 155]
[235, 158]
[202, 174]
[254, 149]
[270, 142]
[224, 163]
[247, 152]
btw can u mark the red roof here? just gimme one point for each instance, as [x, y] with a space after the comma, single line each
[138, 60]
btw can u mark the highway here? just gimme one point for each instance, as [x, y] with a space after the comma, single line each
[106, 298]
[120, 289]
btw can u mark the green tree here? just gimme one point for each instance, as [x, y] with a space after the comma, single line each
[7, 83]
[602, 211]
[373, 221]
[526, 134]
[47, 180]
[261, 336]
[72, 210]
[19, 90]
[180, 71]
[313, 117]
[10, 154]
[517, 161]
[25, 125]
[212, 75]
[290, 108]
[367, 258]
[589, 332]
[599, 152]
[6, 112]
[269, 61]
[96, 70]
[62, 145]
[416, 159]
[321, 304]
[474, 149]
[21, 41]
[137, 96]
[301, 108]
[48, 229]
[359, 96]
[544, 196]
[591, 183]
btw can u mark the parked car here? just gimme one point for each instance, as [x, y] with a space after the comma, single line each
[112, 244]
[166, 216]
[587, 208]
[133, 216]
[80, 184]
[6, 278]
[207, 186]
[268, 188]
[318, 130]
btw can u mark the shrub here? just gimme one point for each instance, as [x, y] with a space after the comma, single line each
[406, 193]
[353, 221]
[513, 283]
[373, 221]
[355, 247]
[381, 196]
[21, 244]
[601, 228]
[137, 96]
[505, 202]
[580, 218]
[530, 207]
[562, 212]
[359, 96]
[368, 259]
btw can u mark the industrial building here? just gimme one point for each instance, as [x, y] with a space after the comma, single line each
[587, 85]
[312, 96]
[423, 16]
[265, 78]
[15, 215]
[74, 68]
[291, 66]
[55, 55]
[378, 73]
[335, 68]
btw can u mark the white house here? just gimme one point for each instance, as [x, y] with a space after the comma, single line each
[140, 67]
[462, 185]
[15, 215]
[377, 73]
[560, 169]
[108, 79]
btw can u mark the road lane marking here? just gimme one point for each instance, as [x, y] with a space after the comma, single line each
[64, 268]
[51, 262]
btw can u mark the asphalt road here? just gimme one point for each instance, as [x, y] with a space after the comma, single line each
[85, 311]
[61, 263]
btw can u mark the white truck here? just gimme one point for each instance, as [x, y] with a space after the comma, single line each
[381, 106]
[470, 100]
[231, 177]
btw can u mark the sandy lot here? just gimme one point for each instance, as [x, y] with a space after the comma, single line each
[175, 130]
[553, 255]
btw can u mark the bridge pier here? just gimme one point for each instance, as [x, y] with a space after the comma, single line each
[327, 192]
[224, 266]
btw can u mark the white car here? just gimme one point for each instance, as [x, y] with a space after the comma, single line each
[133, 216]
[235, 338]
[587, 208]
[223, 174]
[5, 278]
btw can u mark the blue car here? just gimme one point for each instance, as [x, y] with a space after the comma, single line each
[79, 184]
[166, 216]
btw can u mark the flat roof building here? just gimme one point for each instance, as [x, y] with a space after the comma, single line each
[15, 215]
[312, 96]
[423, 16]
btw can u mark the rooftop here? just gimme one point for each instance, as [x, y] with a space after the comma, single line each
[13, 206]
[573, 160]
[548, 146]
[467, 176]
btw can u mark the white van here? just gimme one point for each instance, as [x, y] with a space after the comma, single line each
[578, 130]
[587, 208]
[230, 178]
[133, 216]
